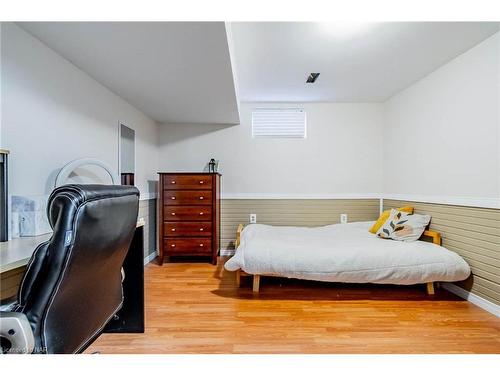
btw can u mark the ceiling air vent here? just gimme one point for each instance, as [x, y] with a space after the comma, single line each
[312, 77]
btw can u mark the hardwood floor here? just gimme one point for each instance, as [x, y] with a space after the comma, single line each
[197, 308]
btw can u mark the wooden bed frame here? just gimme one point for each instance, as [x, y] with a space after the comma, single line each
[435, 236]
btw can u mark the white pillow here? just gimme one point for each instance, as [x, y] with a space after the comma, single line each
[402, 226]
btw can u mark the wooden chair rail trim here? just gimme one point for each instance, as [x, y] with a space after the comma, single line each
[436, 238]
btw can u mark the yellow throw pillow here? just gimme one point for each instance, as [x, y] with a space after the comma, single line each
[385, 215]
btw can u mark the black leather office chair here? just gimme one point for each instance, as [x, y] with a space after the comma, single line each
[72, 285]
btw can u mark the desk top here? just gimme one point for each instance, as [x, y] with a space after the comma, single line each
[17, 252]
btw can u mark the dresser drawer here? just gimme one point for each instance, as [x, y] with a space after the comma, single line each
[187, 197]
[187, 182]
[188, 229]
[188, 246]
[187, 213]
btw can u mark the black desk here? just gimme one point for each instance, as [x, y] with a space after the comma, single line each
[130, 319]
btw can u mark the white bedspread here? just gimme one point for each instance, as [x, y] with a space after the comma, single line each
[343, 253]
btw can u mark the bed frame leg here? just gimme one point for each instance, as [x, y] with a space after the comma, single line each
[238, 278]
[256, 283]
[430, 289]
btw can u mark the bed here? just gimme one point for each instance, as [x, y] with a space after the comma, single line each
[342, 253]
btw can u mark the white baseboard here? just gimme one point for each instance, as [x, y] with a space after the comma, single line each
[447, 200]
[299, 196]
[474, 299]
[150, 257]
[226, 252]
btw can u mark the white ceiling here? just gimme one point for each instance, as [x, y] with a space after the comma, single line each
[184, 72]
[358, 63]
[175, 72]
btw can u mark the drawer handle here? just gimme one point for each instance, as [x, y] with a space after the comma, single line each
[173, 245]
[201, 229]
[202, 182]
[201, 198]
[201, 213]
[173, 229]
[173, 198]
[172, 182]
[201, 245]
[173, 214]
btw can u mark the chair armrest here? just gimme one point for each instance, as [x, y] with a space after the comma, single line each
[15, 333]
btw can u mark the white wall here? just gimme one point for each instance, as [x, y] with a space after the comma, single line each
[1, 141]
[340, 156]
[54, 113]
[438, 138]
[442, 134]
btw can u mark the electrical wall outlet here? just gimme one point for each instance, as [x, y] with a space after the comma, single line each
[253, 218]
[343, 218]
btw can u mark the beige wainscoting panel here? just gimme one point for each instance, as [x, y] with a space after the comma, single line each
[474, 233]
[147, 211]
[296, 212]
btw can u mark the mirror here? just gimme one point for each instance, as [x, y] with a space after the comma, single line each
[4, 212]
[127, 155]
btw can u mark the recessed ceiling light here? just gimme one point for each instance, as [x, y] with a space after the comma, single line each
[312, 77]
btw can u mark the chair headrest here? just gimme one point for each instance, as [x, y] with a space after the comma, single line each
[76, 195]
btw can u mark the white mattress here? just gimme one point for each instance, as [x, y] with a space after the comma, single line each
[343, 253]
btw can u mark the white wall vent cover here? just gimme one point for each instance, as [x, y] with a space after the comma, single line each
[279, 123]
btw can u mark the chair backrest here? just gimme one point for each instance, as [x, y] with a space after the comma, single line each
[72, 285]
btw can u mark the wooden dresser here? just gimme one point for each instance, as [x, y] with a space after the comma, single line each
[189, 213]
